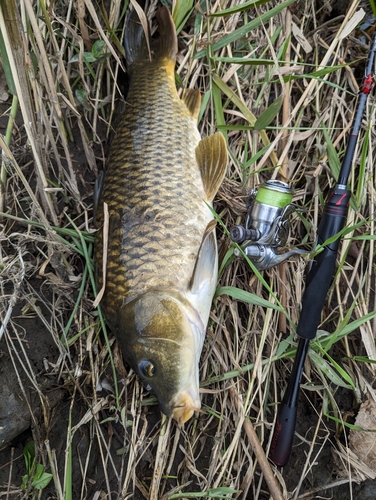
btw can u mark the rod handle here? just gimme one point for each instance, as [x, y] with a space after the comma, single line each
[322, 268]
[283, 436]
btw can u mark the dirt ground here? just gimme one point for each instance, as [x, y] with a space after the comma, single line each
[57, 391]
[61, 394]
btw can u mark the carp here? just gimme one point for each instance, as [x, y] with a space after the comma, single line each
[160, 273]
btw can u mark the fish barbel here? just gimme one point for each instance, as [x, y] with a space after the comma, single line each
[161, 269]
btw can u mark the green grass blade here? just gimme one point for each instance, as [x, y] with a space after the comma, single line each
[248, 115]
[243, 296]
[328, 371]
[364, 359]
[333, 159]
[6, 66]
[180, 14]
[245, 61]
[373, 7]
[218, 107]
[342, 373]
[359, 195]
[87, 254]
[342, 332]
[342, 422]
[243, 30]
[269, 114]
[239, 8]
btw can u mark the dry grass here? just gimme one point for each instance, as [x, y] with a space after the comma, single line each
[68, 102]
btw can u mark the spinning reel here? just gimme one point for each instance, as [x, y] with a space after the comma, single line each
[267, 225]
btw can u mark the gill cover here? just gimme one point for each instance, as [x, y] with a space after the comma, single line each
[161, 339]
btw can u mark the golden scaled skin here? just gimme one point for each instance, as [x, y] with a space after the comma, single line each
[154, 191]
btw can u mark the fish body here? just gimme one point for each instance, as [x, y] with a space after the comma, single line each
[161, 267]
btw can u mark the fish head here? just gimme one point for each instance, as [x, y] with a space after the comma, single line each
[161, 336]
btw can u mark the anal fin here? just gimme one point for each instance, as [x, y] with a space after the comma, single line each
[211, 157]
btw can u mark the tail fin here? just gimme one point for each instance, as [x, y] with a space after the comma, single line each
[168, 41]
[135, 43]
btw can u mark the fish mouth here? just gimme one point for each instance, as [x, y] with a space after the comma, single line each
[184, 407]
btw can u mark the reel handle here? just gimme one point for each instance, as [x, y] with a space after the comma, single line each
[238, 234]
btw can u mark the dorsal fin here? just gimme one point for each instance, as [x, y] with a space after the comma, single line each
[211, 157]
[192, 99]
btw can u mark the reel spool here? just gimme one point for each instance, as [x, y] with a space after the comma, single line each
[267, 225]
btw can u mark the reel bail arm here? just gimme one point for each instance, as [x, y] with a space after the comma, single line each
[267, 225]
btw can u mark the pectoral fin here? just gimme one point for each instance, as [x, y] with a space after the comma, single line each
[211, 157]
[204, 278]
[98, 188]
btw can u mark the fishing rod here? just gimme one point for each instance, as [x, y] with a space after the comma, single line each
[319, 277]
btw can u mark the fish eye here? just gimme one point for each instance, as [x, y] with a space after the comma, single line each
[147, 368]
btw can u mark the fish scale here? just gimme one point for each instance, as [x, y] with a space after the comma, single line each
[155, 206]
[161, 267]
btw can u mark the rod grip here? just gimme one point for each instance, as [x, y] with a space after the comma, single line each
[321, 271]
[321, 274]
[283, 436]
